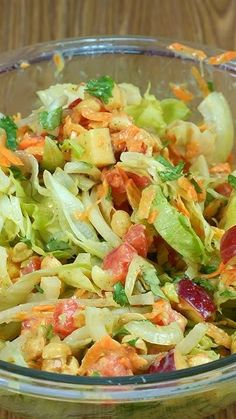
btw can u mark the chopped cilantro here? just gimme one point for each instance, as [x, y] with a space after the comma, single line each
[205, 283]
[121, 332]
[228, 294]
[50, 120]
[17, 173]
[109, 194]
[196, 185]
[95, 374]
[10, 127]
[132, 342]
[48, 331]
[38, 289]
[232, 181]
[119, 295]
[208, 269]
[101, 88]
[211, 86]
[54, 245]
[26, 241]
[151, 279]
[172, 172]
[209, 199]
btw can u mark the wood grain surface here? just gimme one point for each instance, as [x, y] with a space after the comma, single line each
[24, 22]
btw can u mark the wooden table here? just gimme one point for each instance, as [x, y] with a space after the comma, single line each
[25, 22]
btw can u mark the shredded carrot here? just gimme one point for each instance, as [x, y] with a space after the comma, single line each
[221, 168]
[31, 142]
[59, 62]
[179, 205]
[201, 195]
[222, 58]
[189, 191]
[46, 307]
[152, 217]
[8, 158]
[216, 273]
[202, 84]
[186, 50]
[181, 93]
[133, 193]
[192, 149]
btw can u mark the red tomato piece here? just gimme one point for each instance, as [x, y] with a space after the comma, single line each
[136, 237]
[63, 317]
[118, 261]
[74, 103]
[224, 189]
[34, 264]
[140, 181]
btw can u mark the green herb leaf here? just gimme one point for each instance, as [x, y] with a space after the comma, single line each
[209, 199]
[50, 120]
[208, 269]
[121, 332]
[48, 332]
[54, 245]
[196, 185]
[101, 88]
[95, 374]
[119, 295]
[17, 173]
[10, 127]
[151, 279]
[172, 172]
[132, 342]
[109, 194]
[205, 283]
[232, 181]
[228, 294]
[210, 86]
[27, 241]
[38, 289]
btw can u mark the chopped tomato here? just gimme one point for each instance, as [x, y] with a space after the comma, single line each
[136, 237]
[109, 358]
[140, 181]
[163, 314]
[74, 103]
[63, 317]
[224, 189]
[34, 264]
[118, 261]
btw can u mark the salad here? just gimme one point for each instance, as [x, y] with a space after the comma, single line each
[118, 230]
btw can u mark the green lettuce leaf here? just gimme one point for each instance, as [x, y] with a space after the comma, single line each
[52, 156]
[148, 114]
[174, 109]
[176, 230]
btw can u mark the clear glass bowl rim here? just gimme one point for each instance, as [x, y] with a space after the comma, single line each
[143, 45]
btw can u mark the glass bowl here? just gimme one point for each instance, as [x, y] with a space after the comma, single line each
[192, 393]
